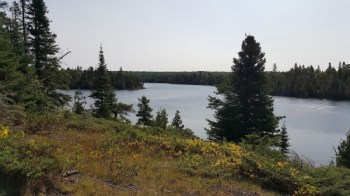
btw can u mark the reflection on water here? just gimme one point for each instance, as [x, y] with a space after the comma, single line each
[314, 126]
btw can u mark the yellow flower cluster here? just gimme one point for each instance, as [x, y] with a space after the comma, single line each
[307, 190]
[293, 171]
[281, 164]
[228, 162]
[4, 132]
[96, 154]
[194, 161]
[236, 150]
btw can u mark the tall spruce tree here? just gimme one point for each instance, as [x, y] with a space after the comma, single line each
[103, 92]
[245, 108]
[42, 45]
[144, 113]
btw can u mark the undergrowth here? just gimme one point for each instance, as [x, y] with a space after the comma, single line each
[113, 157]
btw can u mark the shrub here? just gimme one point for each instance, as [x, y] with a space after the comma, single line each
[343, 153]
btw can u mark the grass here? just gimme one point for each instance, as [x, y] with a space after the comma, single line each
[115, 158]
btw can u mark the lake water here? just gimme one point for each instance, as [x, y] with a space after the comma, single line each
[314, 126]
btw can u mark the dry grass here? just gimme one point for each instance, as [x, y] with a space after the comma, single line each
[129, 170]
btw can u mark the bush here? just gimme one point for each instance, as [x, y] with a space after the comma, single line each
[343, 153]
[25, 162]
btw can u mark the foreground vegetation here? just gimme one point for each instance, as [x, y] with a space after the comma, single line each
[81, 155]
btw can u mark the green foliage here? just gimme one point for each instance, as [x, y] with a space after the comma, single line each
[161, 119]
[79, 102]
[43, 47]
[284, 140]
[329, 180]
[343, 152]
[177, 122]
[144, 113]
[103, 92]
[83, 79]
[196, 78]
[306, 82]
[25, 162]
[245, 107]
[11, 114]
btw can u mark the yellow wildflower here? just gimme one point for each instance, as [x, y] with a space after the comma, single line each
[281, 164]
[4, 132]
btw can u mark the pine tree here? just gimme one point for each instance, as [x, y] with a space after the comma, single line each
[79, 102]
[103, 92]
[20, 83]
[42, 45]
[245, 107]
[161, 119]
[284, 140]
[144, 113]
[177, 122]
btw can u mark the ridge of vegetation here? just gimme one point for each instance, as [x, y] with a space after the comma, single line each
[110, 157]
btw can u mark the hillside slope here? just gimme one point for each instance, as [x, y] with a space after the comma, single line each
[64, 154]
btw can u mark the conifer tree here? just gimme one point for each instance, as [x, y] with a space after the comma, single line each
[21, 84]
[103, 92]
[42, 45]
[284, 140]
[245, 107]
[161, 119]
[177, 122]
[79, 102]
[144, 113]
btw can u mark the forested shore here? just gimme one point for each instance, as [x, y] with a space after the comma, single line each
[300, 81]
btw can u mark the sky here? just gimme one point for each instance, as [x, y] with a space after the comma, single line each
[200, 35]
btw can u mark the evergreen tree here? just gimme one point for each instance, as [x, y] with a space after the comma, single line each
[103, 92]
[343, 153]
[20, 83]
[42, 44]
[245, 108]
[177, 122]
[121, 110]
[79, 102]
[274, 69]
[144, 113]
[284, 140]
[161, 119]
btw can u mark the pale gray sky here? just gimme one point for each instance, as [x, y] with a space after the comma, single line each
[193, 35]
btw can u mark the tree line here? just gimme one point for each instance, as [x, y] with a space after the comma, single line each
[195, 78]
[83, 79]
[300, 81]
[308, 82]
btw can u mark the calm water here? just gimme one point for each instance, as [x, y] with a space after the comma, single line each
[314, 126]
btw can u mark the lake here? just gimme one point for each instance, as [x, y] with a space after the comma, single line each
[314, 126]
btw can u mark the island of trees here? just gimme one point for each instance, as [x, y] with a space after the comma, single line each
[47, 148]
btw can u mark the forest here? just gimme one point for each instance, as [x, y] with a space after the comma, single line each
[50, 148]
[300, 81]
[83, 79]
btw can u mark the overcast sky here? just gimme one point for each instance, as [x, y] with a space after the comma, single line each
[193, 35]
